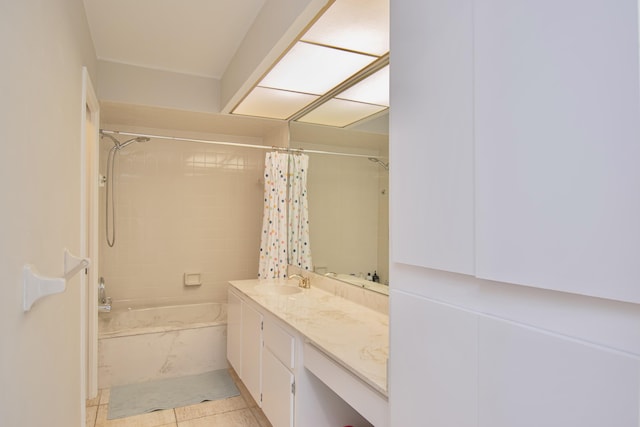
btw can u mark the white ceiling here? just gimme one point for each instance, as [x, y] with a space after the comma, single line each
[196, 37]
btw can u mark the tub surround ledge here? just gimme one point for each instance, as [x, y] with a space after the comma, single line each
[354, 336]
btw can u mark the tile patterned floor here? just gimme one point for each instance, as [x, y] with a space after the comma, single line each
[239, 411]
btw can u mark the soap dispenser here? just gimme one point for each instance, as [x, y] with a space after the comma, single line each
[375, 277]
[369, 278]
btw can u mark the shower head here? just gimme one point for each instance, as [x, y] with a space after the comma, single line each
[132, 140]
[120, 145]
[380, 162]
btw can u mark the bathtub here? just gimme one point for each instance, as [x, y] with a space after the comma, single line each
[143, 344]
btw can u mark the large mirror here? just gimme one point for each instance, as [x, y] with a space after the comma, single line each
[348, 200]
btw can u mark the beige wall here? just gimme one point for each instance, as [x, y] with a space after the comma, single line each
[181, 207]
[129, 84]
[44, 45]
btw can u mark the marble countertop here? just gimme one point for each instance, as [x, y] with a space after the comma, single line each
[354, 336]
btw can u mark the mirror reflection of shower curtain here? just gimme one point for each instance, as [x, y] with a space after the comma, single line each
[299, 245]
[285, 221]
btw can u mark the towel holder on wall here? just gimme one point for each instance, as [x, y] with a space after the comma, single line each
[36, 286]
[73, 264]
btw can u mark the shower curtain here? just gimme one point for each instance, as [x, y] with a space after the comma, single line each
[285, 222]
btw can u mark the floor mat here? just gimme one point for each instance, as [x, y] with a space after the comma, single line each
[135, 399]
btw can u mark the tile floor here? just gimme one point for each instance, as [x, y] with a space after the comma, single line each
[239, 411]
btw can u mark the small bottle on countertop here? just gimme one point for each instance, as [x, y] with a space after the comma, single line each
[369, 278]
[375, 277]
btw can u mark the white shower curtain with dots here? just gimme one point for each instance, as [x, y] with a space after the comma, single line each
[299, 245]
[273, 242]
[285, 222]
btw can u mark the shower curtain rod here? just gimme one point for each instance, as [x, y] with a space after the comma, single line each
[239, 144]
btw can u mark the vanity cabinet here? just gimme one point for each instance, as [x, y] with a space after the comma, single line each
[278, 362]
[291, 392]
[234, 332]
[252, 351]
[244, 343]
[263, 355]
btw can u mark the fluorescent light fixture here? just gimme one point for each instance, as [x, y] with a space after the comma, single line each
[349, 41]
[273, 103]
[357, 25]
[314, 69]
[372, 90]
[340, 113]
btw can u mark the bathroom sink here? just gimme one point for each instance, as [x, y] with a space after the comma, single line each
[277, 289]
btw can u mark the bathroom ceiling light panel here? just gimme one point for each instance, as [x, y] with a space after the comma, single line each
[340, 113]
[349, 41]
[372, 90]
[314, 69]
[273, 103]
[357, 25]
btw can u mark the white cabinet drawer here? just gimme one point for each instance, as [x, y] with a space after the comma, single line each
[280, 343]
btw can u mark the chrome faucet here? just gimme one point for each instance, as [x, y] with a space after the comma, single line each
[106, 307]
[104, 302]
[303, 282]
[102, 298]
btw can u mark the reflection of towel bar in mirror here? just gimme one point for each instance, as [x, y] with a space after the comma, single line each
[36, 286]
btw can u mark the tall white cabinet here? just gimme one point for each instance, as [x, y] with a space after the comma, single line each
[432, 136]
[516, 125]
[557, 145]
[515, 213]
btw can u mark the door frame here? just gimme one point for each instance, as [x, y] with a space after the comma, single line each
[89, 152]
